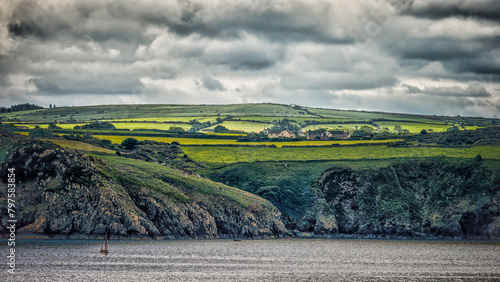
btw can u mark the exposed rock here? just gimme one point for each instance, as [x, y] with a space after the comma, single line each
[65, 193]
[426, 198]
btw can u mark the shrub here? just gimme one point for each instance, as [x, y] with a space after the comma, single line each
[129, 143]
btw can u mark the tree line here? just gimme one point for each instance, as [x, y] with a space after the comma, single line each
[20, 107]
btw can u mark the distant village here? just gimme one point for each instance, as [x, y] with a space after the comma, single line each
[314, 134]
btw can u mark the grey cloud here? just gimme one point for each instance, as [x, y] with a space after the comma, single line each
[438, 9]
[338, 81]
[60, 85]
[474, 90]
[435, 49]
[413, 64]
[212, 84]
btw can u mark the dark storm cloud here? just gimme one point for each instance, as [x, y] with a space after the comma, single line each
[361, 54]
[240, 60]
[462, 47]
[438, 9]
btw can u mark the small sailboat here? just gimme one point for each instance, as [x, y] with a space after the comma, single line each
[104, 249]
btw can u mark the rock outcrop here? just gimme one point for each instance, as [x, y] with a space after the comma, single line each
[68, 194]
[430, 198]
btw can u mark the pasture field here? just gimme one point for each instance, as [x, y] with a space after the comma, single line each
[142, 112]
[227, 155]
[226, 134]
[31, 125]
[149, 125]
[79, 146]
[270, 119]
[415, 127]
[168, 119]
[183, 141]
[199, 141]
[359, 115]
[162, 117]
[246, 126]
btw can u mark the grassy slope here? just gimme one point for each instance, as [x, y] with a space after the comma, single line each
[290, 181]
[172, 182]
[185, 113]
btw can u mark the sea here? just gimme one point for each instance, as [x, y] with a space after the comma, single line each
[255, 260]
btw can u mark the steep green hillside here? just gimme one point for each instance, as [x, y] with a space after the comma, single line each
[430, 197]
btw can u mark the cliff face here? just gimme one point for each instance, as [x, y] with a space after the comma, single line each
[420, 198]
[68, 194]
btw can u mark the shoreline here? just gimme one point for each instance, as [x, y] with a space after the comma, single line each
[43, 237]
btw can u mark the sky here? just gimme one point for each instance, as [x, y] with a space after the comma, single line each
[408, 56]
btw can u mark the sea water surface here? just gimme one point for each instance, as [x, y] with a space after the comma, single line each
[256, 260]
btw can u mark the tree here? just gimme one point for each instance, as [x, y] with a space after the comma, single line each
[220, 129]
[423, 132]
[129, 143]
[176, 129]
[367, 128]
[398, 127]
[53, 125]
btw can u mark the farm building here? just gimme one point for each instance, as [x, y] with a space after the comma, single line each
[319, 134]
[280, 134]
[340, 134]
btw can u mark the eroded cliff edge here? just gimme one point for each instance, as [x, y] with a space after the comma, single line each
[425, 199]
[63, 193]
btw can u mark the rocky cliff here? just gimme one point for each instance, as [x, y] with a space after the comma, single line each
[68, 194]
[431, 198]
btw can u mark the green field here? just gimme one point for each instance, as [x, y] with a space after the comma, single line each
[226, 155]
[241, 115]
[199, 141]
[79, 146]
[415, 127]
[246, 126]
[270, 119]
[149, 125]
[168, 119]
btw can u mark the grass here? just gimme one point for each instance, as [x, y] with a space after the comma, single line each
[415, 127]
[197, 141]
[149, 125]
[246, 126]
[79, 146]
[22, 133]
[261, 112]
[167, 180]
[168, 119]
[227, 155]
[270, 119]
[226, 134]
